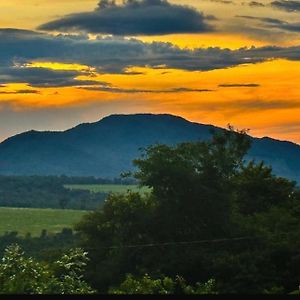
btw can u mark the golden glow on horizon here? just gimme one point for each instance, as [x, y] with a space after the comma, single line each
[270, 108]
[263, 109]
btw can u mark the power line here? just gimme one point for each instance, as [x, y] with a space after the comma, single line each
[176, 243]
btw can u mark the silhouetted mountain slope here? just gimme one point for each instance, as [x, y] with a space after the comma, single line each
[107, 148]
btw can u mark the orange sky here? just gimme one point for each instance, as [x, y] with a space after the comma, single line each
[264, 97]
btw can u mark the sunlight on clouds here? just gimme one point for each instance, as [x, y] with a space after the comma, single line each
[274, 100]
[206, 40]
[59, 66]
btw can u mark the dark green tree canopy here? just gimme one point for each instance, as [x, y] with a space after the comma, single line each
[209, 214]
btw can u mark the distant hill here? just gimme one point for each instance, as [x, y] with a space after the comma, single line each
[107, 147]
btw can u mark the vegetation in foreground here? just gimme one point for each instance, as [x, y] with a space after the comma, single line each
[20, 274]
[24, 275]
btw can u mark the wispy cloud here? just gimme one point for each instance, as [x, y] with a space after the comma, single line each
[20, 92]
[255, 4]
[136, 91]
[223, 1]
[42, 77]
[275, 23]
[238, 85]
[246, 107]
[290, 5]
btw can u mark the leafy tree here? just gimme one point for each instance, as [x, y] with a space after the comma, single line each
[70, 273]
[166, 285]
[258, 189]
[23, 275]
[125, 219]
[192, 183]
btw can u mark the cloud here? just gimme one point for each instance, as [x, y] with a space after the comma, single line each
[20, 92]
[237, 85]
[290, 5]
[232, 108]
[223, 1]
[256, 4]
[276, 23]
[132, 18]
[287, 127]
[136, 91]
[41, 77]
[269, 105]
[113, 55]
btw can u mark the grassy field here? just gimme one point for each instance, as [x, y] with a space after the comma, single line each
[107, 188]
[26, 220]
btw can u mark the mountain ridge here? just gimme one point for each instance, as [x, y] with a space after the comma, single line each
[106, 148]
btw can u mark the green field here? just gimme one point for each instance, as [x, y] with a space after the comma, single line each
[26, 220]
[107, 188]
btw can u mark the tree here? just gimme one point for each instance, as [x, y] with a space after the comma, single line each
[23, 275]
[257, 189]
[125, 219]
[190, 200]
[163, 286]
[209, 214]
[192, 183]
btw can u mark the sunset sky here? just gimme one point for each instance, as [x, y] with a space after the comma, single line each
[64, 62]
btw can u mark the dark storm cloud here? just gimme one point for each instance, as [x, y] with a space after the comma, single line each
[290, 6]
[275, 23]
[114, 56]
[133, 17]
[238, 85]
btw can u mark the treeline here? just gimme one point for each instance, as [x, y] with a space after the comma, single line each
[48, 192]
[95, 180]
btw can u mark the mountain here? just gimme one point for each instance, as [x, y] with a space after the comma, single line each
[107, 147]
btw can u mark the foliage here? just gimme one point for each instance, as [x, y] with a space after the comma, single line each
[22, 275]
[47, 246]
[166, 285]
[193, 181]
[210, 214]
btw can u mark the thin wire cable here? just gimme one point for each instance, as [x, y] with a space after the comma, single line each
[176, 243]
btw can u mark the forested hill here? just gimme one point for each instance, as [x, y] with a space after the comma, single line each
[107, 147]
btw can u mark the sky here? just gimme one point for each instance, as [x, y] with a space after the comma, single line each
[65, 62]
